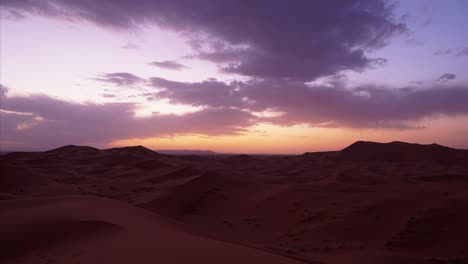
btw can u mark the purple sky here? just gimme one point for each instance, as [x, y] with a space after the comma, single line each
[237, 76]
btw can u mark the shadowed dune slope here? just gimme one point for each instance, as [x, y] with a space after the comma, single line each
[83, 229]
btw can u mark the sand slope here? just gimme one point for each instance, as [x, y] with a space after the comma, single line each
[85, 229]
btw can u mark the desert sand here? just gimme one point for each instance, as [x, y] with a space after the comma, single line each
[368, 203]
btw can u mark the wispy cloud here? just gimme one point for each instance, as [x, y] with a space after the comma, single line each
[414, 42]
[447, 77]
[119, 78]
[463, 52]
[130, 46]
[3, 90]
[170, 65]
[443, 52]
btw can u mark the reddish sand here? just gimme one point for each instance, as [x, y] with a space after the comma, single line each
[369, 203]
[86, 229]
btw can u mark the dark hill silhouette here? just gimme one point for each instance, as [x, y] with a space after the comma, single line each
[69, 149]
[134, 156]
[131, 150]
[241, 158]
[135, 150]
[403, 152]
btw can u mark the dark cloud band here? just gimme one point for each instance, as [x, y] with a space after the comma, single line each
[39, 122]
[299, 40]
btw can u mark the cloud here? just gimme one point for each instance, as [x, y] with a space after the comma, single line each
[109, 95]
[130, 46]
[169, 65]
[447, 77]
[364, 107]
[443, 52]
[42, 122]
[3, 90]
[414, 42]
[119, 78]
[463, 52]
[207, 93]
[456, 51]
[299, 40]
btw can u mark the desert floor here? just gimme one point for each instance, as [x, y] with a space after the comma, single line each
[369, 203]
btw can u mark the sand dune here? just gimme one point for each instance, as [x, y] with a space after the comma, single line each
[82, 229]
[369, 203]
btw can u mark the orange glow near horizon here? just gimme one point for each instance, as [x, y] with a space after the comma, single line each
[261, 139]
[270, 139]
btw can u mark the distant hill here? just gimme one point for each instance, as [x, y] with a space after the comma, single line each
[187, 152]
[72, 149]
[403, 152]
[134, 150]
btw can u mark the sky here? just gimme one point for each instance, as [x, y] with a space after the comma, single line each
[261, 76]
